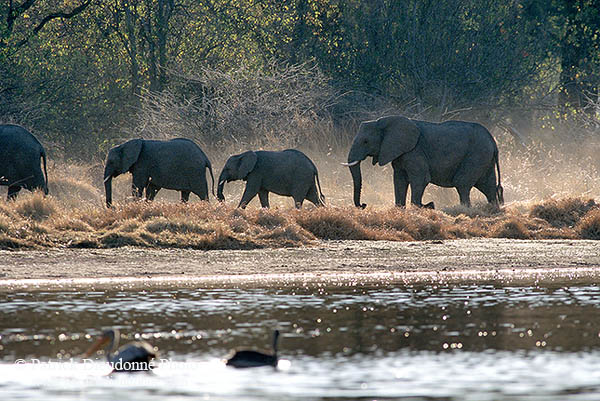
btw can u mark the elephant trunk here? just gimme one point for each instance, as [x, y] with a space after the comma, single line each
[357, 181]
[222, 179]
[355, 156]
[45, 173]
[108, 187]
[108, 190]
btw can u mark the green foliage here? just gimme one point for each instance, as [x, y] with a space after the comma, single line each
[75, 71]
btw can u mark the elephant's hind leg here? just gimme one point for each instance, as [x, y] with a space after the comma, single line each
[487, 186]
[464, 193]
[185, 196]
[263, 196]
[202, 195]
[201, 190]
[313, 196]
[12, 192]
[469, 173]
[151, 191]
[299, 193]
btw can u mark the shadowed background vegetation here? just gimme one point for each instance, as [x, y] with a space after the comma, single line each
[85, 75]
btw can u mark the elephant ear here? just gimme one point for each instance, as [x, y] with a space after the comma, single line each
[247, 163]
[399, 135]
[130, 152]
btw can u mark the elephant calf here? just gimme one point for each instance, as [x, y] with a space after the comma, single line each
[177, 164]
[20, 154]
[288, 173]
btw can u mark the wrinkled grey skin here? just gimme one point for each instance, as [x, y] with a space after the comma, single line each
[288, 173]
[451, 154]
[177, 164]
[20, 154]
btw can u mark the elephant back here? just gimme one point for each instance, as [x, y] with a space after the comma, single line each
[191, 146]
[295, 153]
[16, 138]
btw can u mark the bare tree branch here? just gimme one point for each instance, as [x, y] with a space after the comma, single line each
[62, 15]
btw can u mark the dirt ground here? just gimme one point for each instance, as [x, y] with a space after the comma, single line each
[330, 261]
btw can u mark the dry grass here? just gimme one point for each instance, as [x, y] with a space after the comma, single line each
[33, 221]
[589, 226]
[564, 212]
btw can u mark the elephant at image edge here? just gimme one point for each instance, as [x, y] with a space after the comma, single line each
[20, 154]
[455, 154]
[288, 173]
[178, 164]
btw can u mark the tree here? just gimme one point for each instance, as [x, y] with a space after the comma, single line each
[571, 31]
[580, 53]
[17, 19]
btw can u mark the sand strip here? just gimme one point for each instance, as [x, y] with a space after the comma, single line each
[331, 262]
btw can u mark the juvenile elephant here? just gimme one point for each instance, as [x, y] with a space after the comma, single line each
[177, 164]
[451, 154]
[20, 154]
[288, 173]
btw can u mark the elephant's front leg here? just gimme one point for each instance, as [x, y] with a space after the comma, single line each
[252, 188]
[138, 183]
[263, 195]
[464, 193]
[12, 192]
[136, 191]
[416, 193]
[418, 175]
[400, 185]
[151, 191]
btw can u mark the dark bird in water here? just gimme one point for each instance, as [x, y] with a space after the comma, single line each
[251, 359]
[133, 357]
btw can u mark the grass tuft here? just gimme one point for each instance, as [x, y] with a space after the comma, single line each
[333, 224]
[564, 212]
[589, 226]
[35, 206]
[511, 228]
[270, 219]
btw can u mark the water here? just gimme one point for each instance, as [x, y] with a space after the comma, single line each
[484, 342]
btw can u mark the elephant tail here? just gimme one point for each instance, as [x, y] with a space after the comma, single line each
[212, 179]
[499, 189]
[43, 155]
[321, 196]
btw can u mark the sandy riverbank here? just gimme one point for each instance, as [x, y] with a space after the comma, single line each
[328, 261]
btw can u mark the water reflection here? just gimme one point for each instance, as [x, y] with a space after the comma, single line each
[420, 340]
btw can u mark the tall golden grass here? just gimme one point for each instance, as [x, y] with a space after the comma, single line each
[34, 221]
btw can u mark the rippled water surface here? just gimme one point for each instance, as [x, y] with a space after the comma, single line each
[470, 342]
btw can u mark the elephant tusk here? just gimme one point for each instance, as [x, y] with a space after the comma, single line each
[107, 178]
[354, 163]
[222, 182]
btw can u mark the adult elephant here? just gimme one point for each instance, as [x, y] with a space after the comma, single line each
[288, 173]
[455, 154]
[20, 154]
[177, 164]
